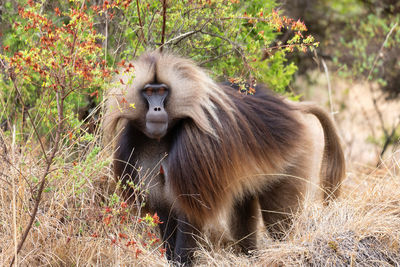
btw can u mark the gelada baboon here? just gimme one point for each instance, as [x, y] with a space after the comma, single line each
[213, 150]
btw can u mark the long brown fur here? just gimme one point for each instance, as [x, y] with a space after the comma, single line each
[207, 173]
[224, 150]
[333, 164]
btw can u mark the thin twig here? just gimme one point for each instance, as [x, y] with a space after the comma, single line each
[49, 161]
[185, 35]
[378, 111]
[380, 50]
[14, 82]
[374, 100]
[268, 49]
[202, 63]
[237, 47]
[388, 140]
[140, 22]
[329, 87]
[106, 37]
[180, 37]
[150, 25]
[164, 15]
[14, 204]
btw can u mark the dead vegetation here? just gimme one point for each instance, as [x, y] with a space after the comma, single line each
[361, 229]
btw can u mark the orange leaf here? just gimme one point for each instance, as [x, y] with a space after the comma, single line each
[121, 235]
[57, 10]
[95, 93]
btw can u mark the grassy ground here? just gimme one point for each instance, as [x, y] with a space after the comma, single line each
[361, 229]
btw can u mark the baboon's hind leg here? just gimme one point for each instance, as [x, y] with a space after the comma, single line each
[244, 218]
[279, 202]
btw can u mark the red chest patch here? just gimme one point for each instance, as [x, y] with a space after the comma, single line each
[161, 170]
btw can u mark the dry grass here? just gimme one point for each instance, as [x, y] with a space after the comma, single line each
[361, 229]
[70, 229]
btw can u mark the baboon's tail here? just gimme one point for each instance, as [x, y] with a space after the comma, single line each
[333, 163]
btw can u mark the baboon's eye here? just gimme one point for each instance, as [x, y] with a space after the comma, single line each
[149, 91]
[161, 91]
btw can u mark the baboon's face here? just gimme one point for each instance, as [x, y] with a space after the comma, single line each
[156, 117]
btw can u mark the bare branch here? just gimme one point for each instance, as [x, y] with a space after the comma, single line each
[140, 22]
[388, 137]
[49, 160]
[329, 87]
[380, 50]
[164, 15]
[14, 82]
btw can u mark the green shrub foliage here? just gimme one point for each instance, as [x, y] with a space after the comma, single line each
[71, 49]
